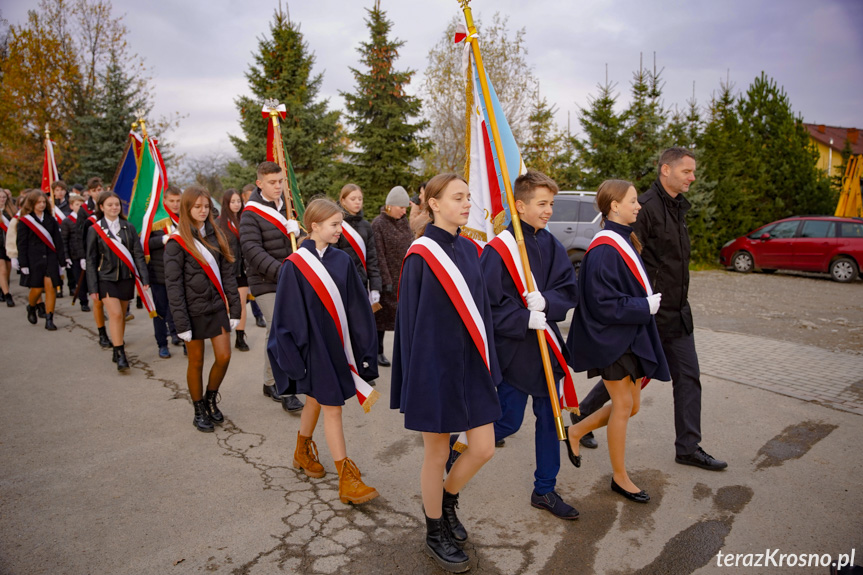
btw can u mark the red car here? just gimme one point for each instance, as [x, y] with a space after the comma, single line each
[804, 243]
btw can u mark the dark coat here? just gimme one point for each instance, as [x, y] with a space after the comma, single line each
[236, 250]
[41, 260]
[104, 266]
[190, 291]
[73, 241]
[393, 237]
[264, 246]
[661, 228]
[304, 342]
[517, 346]
[613, 314]
[63, 207]
[156, 265]
[439, 379]
[370, 275]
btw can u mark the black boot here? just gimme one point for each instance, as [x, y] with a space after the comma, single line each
[9, 301]
[450, 503]
[31, 314]
[241, 341]
[211, 398]
[201, 421]
[104, 341]
[40, 309]
[49, 322]
[60, 292]
[441, 547]
[122, 362]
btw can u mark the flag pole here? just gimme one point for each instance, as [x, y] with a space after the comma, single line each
[49, 163]
[280, 159]
[516, 222]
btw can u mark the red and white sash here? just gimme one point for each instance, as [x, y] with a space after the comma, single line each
[505, 245]
[272, 215]
[74, 216]
[209, 265]
[39, 230]
[122, 252]
[233, 227]
[630, 258]
[356, 240]
[453, 282]
[322, 282]
[4, 223]
[59, 215]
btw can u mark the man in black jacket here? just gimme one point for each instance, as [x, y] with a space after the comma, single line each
[661, 227]
[163, 323]
[264, 234]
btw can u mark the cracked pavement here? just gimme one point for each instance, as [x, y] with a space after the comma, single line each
[103, 473]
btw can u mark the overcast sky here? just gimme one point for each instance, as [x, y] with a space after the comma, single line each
[199, 50]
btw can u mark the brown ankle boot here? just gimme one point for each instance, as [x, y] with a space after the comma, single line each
[351, 486]
[306, 457]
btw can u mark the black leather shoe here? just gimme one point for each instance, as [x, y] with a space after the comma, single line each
[640, 497]
[211, 399]
[114, 355]
[552, 503]
[260, 321]
[201, 421]
[575, 459]
[449, 505]
[292, 404]
[500, 443]
[138, 303]
[441, 547]
[701, 459]
[270, 391]
[588, 440]
[40, 309]
[9, 301]
[383, 361]
[175, 340]
[60, 294]
[122, 362]
[31, 314]
[84, 307]
[104, 341]
[241, 341]
[49, 322]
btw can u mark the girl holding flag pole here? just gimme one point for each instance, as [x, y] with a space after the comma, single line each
[201, 291]
[40, 253]
[115, 266]
[323, 336]
[445, 366]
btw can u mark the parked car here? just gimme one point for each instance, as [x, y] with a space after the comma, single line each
[804, 243]
[574, 222]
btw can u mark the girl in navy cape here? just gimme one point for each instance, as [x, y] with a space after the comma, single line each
[613, 332]
[305, 344]
[441, 380]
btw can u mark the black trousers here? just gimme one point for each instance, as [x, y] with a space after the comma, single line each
[686, 388]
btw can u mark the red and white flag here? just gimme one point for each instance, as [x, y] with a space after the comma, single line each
[49, 167]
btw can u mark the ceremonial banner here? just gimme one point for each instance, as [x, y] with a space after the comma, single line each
[127, 170]
[274, 142]
[146, 211]
[49, 167]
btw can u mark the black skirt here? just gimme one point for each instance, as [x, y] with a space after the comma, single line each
[242, 281]
[210, 325]
[122, 289]
[627, 364]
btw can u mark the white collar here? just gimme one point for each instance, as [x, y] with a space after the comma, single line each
[321, 252]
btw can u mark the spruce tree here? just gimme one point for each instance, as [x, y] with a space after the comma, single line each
[602, 151]
[387, 140]
[641, 140]
[282, 70]
[543, 148]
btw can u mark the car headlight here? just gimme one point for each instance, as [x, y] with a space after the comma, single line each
[728, 243]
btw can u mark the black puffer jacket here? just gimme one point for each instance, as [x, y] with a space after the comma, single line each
[264, 246]
[661, 228]
[73, 241]
[156, 265]
[103, 265]
[371, 274]
[236, 249]
[190, 291]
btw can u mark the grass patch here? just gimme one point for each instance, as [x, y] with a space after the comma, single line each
[704, 266]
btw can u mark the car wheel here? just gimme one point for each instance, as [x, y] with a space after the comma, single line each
[742, 262]
[843, 270]
[768, 271]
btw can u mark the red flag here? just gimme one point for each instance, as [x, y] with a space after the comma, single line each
[49, 167]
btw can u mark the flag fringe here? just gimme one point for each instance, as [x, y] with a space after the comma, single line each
[373, 397]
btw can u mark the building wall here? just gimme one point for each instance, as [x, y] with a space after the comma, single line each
[824, 155]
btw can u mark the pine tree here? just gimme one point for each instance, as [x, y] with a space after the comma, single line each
[282, 69]
[544, 140]
[641, 140]
[602, 151]
[380, 112]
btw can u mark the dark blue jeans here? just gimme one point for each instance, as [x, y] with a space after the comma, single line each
[163, 324]
[512, 404]
[256, 310]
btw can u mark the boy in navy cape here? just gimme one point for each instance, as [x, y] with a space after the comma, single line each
[515, 323]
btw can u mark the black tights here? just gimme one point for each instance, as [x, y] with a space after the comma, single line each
[195, 370]
[380, 342]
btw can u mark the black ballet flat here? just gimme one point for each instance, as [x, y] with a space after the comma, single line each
[640, 497]
[575, 459]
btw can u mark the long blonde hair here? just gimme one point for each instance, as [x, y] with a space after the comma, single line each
[184, 226]
[614, 191]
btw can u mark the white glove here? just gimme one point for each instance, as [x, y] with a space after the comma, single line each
[25, 271]
[165, 239]
[234, 324]
[15, 265]
[536, 321]
[68, 263]
[185, 336]
[535, 301]
[83, 263]
[293, 227]
[653, 302]
[374, 296]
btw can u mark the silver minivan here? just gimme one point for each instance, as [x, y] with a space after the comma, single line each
[574, 222]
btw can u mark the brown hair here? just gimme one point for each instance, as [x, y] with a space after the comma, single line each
[435, 188]
[103, 197]
[173, 191]
[319, 210]
[227, 215]
[73, 197]
[94, 183]
[614, 191]
[188, 199]
[347, 189]
[60, 184]
[673, 155]
[30, 200]
[9, 206]
[526, 184]
[267, 168]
